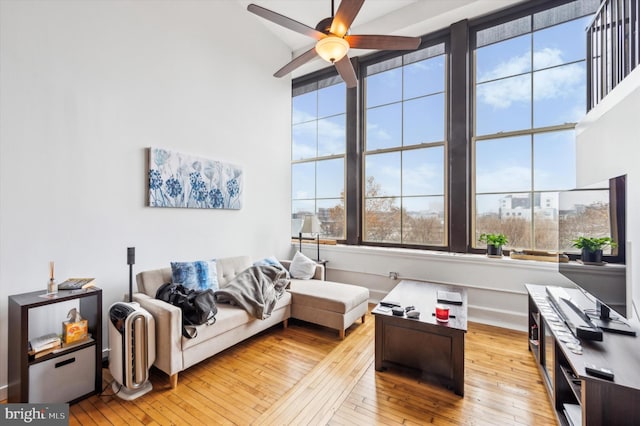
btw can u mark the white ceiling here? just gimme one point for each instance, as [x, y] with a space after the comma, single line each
[392, 17]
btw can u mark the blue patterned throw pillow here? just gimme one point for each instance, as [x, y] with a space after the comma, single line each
[198, 275]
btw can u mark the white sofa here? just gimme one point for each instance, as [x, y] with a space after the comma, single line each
[333, 305]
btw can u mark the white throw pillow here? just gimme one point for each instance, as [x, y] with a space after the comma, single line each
[302, 267]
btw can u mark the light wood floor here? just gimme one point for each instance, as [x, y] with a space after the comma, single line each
[305, 375]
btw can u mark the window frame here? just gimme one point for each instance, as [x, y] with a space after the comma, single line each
[299, 85]
[429, 40]
[508, 15]
[460, 104]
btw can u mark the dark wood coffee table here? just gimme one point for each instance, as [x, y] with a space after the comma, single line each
[434, 349]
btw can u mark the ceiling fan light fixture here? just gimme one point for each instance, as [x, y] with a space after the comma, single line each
[332, 48]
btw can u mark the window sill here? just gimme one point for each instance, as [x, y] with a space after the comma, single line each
[432, 255]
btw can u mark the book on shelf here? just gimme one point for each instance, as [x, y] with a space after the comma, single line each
[42, 343]
[77, 283]
[44, 352]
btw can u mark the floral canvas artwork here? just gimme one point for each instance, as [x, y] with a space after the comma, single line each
[182, 180]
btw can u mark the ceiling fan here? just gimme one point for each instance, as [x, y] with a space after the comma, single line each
[333, 40]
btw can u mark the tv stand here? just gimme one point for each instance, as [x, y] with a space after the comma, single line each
[577, 397]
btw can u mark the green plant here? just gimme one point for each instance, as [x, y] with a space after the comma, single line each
[593, 243]
[496, 240]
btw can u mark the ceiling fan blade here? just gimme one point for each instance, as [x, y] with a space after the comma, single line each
[284, 21]
[383, 42]
[345, 15]
[348, 74]
[296, 62]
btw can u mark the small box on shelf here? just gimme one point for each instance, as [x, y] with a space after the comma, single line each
[74, 331]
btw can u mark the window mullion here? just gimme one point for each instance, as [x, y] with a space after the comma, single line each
[353, 172]
[457, 147]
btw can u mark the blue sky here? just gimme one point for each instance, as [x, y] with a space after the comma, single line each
[531, 81]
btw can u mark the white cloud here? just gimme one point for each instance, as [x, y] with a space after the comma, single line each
[547, 57]
[502, 93]
[422, 180]
[551, 83]
[298, 116]
[304, 140]
[557, 82]
[513, 178]
[377, 133]
[331, 137]
[513, 66]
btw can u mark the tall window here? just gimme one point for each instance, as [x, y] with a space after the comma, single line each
[318, 158]
[404, 155]
[487, 109]
[530, 90]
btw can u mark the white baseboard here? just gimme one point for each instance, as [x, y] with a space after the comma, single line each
[3, 392]
[499, 318]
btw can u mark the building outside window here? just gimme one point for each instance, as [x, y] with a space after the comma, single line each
[404, 154]
[529, 92]
[318, 157]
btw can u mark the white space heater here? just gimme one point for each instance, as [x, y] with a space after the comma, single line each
[133, 349]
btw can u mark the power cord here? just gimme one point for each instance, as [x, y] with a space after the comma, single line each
[108, 386]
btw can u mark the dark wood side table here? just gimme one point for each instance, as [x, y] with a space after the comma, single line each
[434, 349]
[45, 372]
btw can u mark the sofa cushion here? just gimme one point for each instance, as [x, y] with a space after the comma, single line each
[197, 275]
[302, 267]
[327, 295]
[229, 267]
[150, 281]
[228, 318]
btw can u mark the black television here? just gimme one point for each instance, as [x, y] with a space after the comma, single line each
[596, 211]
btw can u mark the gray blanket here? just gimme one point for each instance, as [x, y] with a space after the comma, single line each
[256, 289]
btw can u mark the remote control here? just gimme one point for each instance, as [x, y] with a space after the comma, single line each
[413, 314]
[397, 311]
[601, 372]
[389, 304]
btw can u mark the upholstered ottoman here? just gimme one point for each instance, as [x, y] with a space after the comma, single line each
[333, 305]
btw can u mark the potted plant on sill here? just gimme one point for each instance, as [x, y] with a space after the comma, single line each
[494, 243]
[592, 248]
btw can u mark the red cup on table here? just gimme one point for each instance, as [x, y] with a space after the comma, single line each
[442, 313]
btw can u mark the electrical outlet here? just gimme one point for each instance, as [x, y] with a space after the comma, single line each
[393, 275]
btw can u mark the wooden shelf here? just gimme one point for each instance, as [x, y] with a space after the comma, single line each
[90, 303]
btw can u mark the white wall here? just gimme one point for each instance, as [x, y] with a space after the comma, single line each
[608, 145]
[85, 88]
